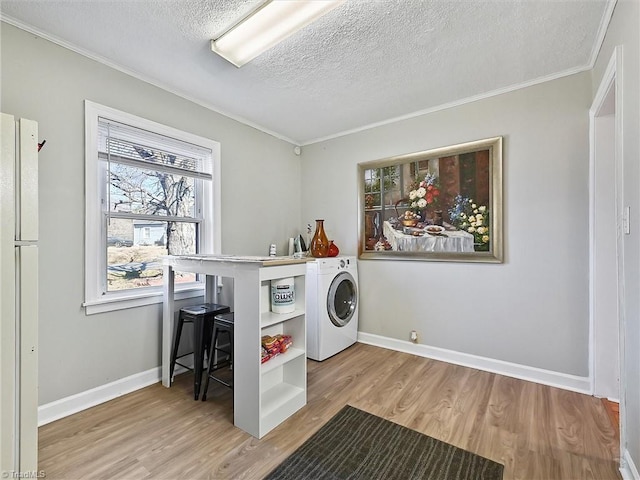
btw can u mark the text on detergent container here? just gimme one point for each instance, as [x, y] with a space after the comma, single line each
[283, 295]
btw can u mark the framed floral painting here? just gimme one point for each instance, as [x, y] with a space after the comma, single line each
[443, 204]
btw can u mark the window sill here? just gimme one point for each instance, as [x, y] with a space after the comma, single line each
[137, 300]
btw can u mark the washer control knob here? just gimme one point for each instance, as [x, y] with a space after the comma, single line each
[342, 263]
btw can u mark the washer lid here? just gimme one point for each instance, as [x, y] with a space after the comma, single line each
[342, 299]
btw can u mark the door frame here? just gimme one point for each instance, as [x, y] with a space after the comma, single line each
[612, 78]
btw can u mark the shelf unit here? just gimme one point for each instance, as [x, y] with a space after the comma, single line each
[264, 394]
[283, 378]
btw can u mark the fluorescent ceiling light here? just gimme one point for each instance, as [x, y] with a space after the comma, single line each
[267, 26]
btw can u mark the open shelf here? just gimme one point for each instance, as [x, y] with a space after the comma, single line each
[278, 396]
[269, 318]
[281, 359]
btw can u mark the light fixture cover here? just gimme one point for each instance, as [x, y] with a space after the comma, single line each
[267, 26]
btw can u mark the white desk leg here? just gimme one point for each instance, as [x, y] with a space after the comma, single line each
[167, 322]
[246, 348]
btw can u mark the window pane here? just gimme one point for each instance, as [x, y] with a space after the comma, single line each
[134, 249]
[371, 181]
[139, 190]
[391, 184]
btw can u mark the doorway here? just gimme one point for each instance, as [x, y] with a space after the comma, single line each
[606, 373]
[606, 240]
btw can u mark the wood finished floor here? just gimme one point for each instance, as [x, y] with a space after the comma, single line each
[537, 432]
[613, 410]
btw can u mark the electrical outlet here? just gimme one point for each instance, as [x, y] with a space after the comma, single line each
[413, 336]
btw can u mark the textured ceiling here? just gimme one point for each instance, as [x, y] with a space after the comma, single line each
[366, 62]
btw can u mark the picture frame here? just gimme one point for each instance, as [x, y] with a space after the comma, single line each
[443, 204]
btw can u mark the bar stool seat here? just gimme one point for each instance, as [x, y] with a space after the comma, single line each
[220, 355]
[198, 316]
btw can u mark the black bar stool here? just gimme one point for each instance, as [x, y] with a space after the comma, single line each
[220, 356]
[197, 315]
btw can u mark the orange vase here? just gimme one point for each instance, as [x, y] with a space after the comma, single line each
[333, 249]
[319, 243]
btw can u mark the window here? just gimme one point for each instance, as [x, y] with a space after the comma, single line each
[382, 186]
[382, 191]
[151, 190]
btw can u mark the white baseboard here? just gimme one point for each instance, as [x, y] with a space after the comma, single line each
[628, 469]
[523, 372]
[81, 401]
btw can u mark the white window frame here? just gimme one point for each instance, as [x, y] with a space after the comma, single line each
[97, 301]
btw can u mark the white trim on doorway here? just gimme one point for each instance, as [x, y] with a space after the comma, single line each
[628, 469]
[612, 78]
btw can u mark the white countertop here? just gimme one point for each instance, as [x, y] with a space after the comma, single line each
[265, 261]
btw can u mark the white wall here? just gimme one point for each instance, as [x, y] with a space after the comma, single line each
[260, 178]
[533, 308]
[624, 30]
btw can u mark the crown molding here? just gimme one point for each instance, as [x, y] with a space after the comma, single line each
[139, 76]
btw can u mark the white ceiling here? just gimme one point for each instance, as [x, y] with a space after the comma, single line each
[366, 62]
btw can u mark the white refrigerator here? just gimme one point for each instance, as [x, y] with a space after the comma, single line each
[18, 297]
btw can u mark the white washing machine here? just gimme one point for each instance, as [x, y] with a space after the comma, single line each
[331, 293]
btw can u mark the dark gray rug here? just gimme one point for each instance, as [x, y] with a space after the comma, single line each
[357, 445]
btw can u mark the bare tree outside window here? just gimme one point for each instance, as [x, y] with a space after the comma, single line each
[154, 192]
[152, 212]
